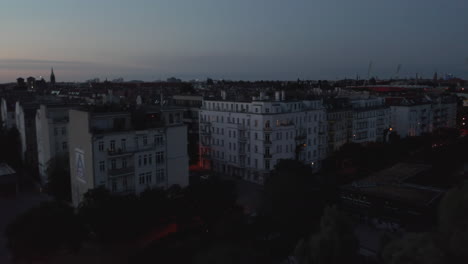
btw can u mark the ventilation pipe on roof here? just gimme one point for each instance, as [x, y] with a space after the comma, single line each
[262, 95]
[223, 94]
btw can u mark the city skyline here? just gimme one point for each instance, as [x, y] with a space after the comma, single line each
[264, 40]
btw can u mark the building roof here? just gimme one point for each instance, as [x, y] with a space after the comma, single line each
[391, 184]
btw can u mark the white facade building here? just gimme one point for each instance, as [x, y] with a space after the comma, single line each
[25, 123]
[106, 150]
[7, 114]
[247, 139]
[416, 116]
[52, 135]
[371, 117]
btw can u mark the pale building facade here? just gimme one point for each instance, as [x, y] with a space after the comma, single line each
[247, 138]
[106, 150]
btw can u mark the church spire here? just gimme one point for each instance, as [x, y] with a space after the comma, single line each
[52, 76]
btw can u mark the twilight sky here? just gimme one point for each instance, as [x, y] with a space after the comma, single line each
[235, 39]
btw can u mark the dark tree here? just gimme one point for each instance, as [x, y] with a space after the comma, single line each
[413, 249]
[110, 217]
[10, 150]
[44, 230]
[290, 196]
[335, 243]
[58, 172]
[210, 199]
[453, 224]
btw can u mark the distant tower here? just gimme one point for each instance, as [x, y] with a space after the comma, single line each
[52, 77]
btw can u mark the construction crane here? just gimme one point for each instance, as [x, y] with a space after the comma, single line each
[397, 71]
[369, 69]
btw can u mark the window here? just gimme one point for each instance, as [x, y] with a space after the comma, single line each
[145, 140]
[113, 164]
[159, 157]
[256, 163]
[123, 144]
[141, 178]
[171, 118]
[124, 183]
[64, 145]
[145, 159]
[160, 177]
[256, 149]
[102, 166]
[101, 146]
[64, 130]
[139, 160]
[158, 140]
[267, 164]
[114, 185]
[55, 131]
[148, 177]
[112, 145]
[124, 163]
[150, 159]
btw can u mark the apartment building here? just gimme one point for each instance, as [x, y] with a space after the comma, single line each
[191, 105]
[126, 153]
[444, 111]
[7, 114]
[247, 138]
[340, 121]
[25, 114]
[418, 115]
[371, 119]
[52, 135]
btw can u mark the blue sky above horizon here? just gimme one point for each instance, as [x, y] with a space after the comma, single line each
[242, 39]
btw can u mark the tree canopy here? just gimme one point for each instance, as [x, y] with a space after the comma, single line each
[58, 173]
[44, 230]
[334, 243]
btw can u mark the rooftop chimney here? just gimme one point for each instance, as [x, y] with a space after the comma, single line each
[262, 95]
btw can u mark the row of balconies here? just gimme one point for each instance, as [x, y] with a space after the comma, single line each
[132, 150]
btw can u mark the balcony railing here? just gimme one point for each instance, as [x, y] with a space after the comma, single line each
[206, 132]
[131, 150]
[243, 138]
[301, 137]
[121, 171]
[206, 155]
